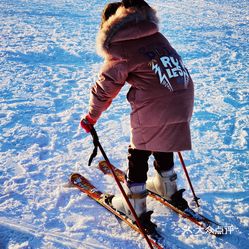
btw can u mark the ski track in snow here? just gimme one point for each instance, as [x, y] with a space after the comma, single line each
[48, 64]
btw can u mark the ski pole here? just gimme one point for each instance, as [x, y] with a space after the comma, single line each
[188, 178]
[97, 143]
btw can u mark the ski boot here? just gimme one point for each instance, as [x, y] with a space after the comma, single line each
[137, 194]
[164, 184]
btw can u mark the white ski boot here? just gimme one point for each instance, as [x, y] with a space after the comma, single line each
[136, 193]
[163, 183]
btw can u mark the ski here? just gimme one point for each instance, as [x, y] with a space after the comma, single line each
[88, 188]
[208, 225]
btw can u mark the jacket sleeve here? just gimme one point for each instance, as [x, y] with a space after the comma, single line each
[111, 79]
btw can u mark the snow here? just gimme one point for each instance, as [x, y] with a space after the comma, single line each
[48, 63]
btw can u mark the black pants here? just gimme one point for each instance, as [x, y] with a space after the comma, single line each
[138, 163]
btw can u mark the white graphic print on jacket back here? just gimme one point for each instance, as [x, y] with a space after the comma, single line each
[173, 68]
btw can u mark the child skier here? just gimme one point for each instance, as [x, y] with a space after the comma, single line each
[161, 97]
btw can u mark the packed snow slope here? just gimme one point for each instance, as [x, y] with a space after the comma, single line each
[48, 63]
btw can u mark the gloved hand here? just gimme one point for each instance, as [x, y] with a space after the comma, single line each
[87, 123]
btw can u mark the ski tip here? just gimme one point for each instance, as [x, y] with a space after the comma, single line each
[103, 162]
[104, 167]
[73, 177]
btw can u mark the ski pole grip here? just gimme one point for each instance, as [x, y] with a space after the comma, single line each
[87, 123]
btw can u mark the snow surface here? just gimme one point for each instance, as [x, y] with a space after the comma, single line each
[48, 64]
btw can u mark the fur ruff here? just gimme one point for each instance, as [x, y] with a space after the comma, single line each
[122, 17]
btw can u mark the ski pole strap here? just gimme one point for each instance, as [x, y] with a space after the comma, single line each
[95, 143]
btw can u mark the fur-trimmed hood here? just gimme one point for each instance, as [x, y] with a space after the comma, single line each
[112, 30]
